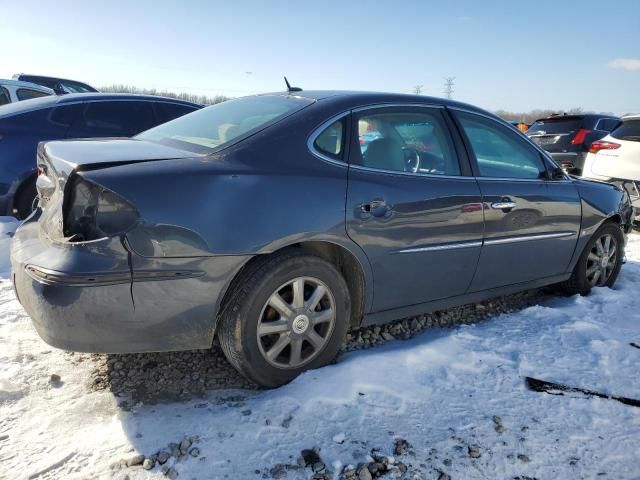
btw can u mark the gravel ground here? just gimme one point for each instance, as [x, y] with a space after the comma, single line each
[177, 376]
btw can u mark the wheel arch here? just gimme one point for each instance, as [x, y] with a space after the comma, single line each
[352, 266]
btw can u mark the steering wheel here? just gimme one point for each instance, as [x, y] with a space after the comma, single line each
[411, 158]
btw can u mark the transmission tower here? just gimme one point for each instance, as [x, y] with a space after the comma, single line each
[418, 89]
[448, 86]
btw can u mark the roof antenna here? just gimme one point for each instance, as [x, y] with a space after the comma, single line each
[291, 89]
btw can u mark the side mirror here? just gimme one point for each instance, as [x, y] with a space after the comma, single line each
[557, 173]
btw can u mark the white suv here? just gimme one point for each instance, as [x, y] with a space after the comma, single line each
[16, 90]
[616, 156]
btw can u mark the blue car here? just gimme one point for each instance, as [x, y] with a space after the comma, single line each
[85, 115]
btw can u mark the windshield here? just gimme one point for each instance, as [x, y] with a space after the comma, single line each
[627, 130]
[213, 127]
[555, 125]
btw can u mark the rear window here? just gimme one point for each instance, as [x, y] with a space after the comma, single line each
[555, 125]
[628, 130]
[211, 128]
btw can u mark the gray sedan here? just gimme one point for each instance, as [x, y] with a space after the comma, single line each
[278, 222]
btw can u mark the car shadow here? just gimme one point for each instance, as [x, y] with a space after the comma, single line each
[165, 376]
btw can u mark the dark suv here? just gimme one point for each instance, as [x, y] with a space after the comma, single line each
[568, 137]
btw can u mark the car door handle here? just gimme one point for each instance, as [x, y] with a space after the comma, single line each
[503, 205]
[377, 208]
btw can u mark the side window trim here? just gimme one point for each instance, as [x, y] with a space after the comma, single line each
[343, 160]
[462, 159]
[546, 160]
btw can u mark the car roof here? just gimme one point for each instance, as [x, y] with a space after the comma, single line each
[578, 116]
[631, 116]
[363, 98]
[46, 77]
[21, 83]
[70, 98]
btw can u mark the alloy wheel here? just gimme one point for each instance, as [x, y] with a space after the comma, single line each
[296, 322]
[601, 261]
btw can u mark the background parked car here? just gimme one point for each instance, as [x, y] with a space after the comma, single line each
[568, 137]
[522, 126]
[616, 157]
[59, 85]
[15, 90]
[24, 124]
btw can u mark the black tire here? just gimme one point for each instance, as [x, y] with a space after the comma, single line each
[24, 200]
[242, 313]
[579, 281]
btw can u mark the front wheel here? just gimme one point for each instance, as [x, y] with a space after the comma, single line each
[600, 262]
[286, 315]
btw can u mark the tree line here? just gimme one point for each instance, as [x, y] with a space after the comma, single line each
[533, 115]
[189, 97]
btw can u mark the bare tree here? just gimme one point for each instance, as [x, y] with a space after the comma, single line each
[532, 115]
[189, 97]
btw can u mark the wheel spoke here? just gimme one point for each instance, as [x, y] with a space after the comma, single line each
[298, 293]
[593, 257]
[599, 247]
[607, 243]
[596, 277]
[277, 347]
[282, 307]
[322, 317]
[314, 339]
[269, 328]
[592, 269]
[315, 298]
[296, 352]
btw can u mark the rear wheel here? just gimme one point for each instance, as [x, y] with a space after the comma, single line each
[286, 315]
[600, 262]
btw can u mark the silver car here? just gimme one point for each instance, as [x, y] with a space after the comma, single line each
[16, 90]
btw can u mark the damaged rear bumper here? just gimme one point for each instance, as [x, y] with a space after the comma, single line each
[99, 297]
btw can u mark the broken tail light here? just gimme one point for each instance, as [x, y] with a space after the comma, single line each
[93, 212]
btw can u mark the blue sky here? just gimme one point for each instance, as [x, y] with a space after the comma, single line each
[514, 55]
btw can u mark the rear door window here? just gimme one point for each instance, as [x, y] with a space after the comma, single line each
[628, 130]
[413, 140]
[121, 118]
[166, 111]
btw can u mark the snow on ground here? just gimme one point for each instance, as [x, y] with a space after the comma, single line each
[439, 391]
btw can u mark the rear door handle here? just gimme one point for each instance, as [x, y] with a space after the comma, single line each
[377, 208]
